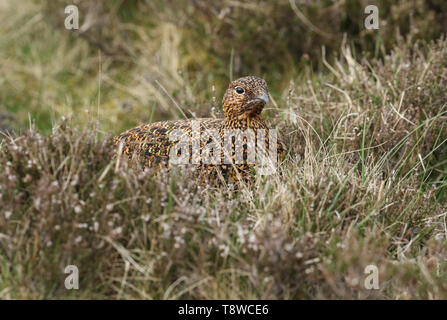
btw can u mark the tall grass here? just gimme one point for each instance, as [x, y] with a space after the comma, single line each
[363, 183]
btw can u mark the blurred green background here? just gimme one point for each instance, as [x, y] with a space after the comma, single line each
[131, 58]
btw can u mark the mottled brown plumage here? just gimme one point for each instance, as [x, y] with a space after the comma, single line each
[242, 105]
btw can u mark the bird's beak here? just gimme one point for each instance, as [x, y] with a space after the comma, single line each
[255, 106]
[263, 97]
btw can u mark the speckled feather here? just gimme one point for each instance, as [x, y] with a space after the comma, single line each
[242, 105]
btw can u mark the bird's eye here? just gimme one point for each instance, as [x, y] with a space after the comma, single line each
[239, 90]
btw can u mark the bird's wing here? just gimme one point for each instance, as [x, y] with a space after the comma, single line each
[152, 141]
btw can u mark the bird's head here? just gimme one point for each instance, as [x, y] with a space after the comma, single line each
[245, 98]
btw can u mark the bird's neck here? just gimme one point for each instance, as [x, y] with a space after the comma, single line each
[244, 123]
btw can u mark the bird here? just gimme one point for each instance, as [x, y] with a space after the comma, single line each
[215, 139]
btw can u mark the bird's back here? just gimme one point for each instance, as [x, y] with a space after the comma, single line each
[152, 141]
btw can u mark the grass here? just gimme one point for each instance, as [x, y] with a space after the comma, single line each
[363, 182]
